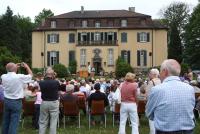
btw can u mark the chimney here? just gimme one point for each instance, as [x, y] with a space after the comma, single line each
[132, 9]
[82, 9]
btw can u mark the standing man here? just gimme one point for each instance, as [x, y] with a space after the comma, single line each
[13, 93]
[49, 107]
[171, 103]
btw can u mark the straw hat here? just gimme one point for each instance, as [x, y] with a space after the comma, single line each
[129, 76]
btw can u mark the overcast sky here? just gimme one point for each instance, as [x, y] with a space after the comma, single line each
[31, 8]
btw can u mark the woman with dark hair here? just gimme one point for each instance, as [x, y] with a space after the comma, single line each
[128, 104]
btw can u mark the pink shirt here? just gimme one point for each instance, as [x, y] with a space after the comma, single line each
[38, 98]
[128, 92]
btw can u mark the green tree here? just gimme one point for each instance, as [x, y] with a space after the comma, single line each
[175, 16]
[192, 39]
[6, 57]
[25, 27]
[43, 15]
[9, 34]
[122, 67]
[61, 70]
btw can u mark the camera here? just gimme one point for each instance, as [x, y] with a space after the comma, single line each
[22, 64]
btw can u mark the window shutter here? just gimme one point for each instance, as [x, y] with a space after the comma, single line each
[92, 36]
[145, 58]
[138, 37]
[57, 38]
[138, 58]
[123, 37]
[115, 35]
[101, 36]
[129, 57]
[48, 58]
[57, 57]
[88, 36]
[48, 38]
[105, 36]
[79, 36]
[148, 37]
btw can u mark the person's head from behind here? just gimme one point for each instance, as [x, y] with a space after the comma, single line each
[69, 89]
[97, 86]
[153, 73]
[169, 67]
[50, 73]
[130, 77]
[11, 67]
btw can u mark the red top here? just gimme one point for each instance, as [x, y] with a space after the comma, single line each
[129, 92]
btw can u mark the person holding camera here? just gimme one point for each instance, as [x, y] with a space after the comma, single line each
[13, 84]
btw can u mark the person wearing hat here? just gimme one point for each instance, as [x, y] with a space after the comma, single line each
[128, 104]
[49, 108]
[97, 96]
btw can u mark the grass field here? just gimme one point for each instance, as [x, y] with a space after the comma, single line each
[72, 128]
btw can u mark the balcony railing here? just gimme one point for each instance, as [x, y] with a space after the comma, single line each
[94, 43]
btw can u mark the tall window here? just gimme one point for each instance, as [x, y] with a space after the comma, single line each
[123, 37]
[141, 58]
[123, 23]
[84, 23]
[53, 24]
[71, 55]
[97, 36]
[53, 38]
[83, 57]
[126, 55]
[110, 57]
[97, 24]
[71, 38]
[52, 58]
[143, 37]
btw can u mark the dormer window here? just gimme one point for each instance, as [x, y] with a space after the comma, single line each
[84, 23]
[123, 23]
[53, 24]
[97, 24]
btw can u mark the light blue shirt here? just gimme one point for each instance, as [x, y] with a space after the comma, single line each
[171, 105]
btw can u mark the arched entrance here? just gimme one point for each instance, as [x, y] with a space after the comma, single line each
[97, 64]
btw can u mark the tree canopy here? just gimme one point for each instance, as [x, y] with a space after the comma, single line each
[43, 15]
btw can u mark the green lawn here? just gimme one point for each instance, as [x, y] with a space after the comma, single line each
[72, 128]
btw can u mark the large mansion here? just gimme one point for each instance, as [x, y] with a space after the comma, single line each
[98, 38]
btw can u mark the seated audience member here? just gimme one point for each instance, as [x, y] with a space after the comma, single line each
[97, 96]
[84, 88]
[69, 96]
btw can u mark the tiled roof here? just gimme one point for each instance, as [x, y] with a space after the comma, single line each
[101, 14]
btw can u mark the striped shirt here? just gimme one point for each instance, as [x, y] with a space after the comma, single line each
[171, 105]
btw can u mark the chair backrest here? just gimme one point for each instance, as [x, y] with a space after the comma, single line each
[81, 102]
[70, 108]
[141, 106]
[97, 107]
[1, 107]
[117, 108]
[28, 108]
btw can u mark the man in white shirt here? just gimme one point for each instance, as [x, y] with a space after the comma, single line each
[13, 93]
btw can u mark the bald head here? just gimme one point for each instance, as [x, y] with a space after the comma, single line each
[11, 67]
[172, 66]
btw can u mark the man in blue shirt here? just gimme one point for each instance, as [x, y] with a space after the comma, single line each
[170, 105]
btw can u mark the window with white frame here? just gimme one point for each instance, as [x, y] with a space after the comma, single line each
[143, 37]
[110, 57]
[97, 36]
[53, 24]
[52, 58]
[84, 23]
[123, 23]
[83, 57]
[53, 38]
[97, 24]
